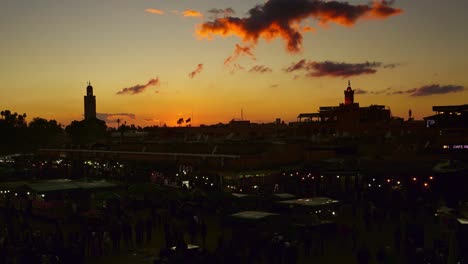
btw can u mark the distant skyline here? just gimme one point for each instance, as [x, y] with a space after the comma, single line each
[154, 62]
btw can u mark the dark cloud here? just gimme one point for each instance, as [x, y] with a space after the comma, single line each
[436, 89]
[404, 92]
[260, 69]
[386, 90]
[391, 66]
[334, 69]
[425, 90]
[139, 87]
[112, 117]
[360, 91]
[239, 51]
[277, 19]
[216, 12]
[196, 71]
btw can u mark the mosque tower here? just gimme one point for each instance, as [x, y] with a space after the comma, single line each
[349, 95]
[89, 103]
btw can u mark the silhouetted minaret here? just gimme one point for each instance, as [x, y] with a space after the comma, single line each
[89, 103]
[349, 95]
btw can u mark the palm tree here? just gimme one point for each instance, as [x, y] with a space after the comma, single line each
[118, 123]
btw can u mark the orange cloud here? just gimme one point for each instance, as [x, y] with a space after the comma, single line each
[308, 29]
[279, 19]
[196, 71]
[191, 13]
[238, 51]
[154, 11]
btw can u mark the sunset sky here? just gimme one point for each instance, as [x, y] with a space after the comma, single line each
[154, 61]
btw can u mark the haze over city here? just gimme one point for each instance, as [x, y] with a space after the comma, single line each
[153, 62]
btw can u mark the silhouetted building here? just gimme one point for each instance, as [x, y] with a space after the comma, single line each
[448, 116]
[89, 103]
[347, 116]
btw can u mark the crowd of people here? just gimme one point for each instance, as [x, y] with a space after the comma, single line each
[384, 226]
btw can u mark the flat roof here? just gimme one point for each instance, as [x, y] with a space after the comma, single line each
[240, 195]
[311, 202]
[253, 214]
[450, 108]
[302, 115]
[284, 195]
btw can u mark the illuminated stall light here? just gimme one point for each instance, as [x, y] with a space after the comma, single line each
[398, 182]
[426, 184]
[431, 177]
[388, 180]
[380, 185]
[370, 185]
[333, 213]
[414, 179]
[337, 176]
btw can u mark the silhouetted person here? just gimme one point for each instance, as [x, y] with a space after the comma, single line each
[127, 234]
[204, 232]
[363, 256]
[139, 232]
[397, 239]
[149, 228]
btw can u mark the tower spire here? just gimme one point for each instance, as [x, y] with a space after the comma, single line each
[349, 83]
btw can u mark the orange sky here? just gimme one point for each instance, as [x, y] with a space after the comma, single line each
[210, 61]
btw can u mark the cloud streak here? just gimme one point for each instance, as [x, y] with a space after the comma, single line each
[191, 13]
[278, 19]
[360, 91]
[433, 89]
[196, 71]
[239, 51]
[333, 69]
[139, 88]
[112, 117]
[260, 69]
[154, 11]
